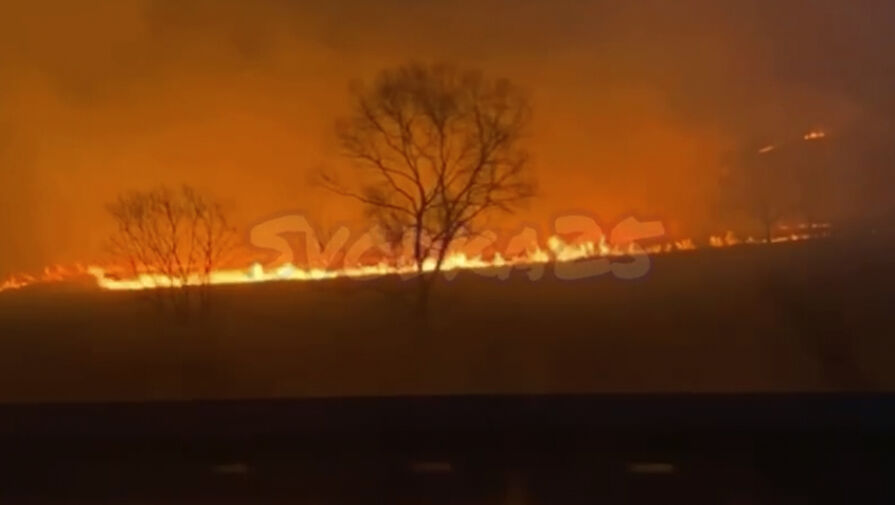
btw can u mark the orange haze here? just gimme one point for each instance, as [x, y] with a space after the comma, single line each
[637, 108]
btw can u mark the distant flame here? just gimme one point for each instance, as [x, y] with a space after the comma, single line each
[557, 250]
[812, 135]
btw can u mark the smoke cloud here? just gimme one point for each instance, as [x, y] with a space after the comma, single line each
[638, 105]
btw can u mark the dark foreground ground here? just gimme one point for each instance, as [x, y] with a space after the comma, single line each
[553, 450]
[812, 316]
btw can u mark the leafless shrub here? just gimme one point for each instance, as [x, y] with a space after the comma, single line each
[173, 240]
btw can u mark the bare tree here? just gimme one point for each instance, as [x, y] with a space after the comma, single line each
[173, 239]
[789, 180]
[762, 188]
[438, 149]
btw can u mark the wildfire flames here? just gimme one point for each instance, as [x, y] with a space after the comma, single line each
[557, 250]
[532, 253]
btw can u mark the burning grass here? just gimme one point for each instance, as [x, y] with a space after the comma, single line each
[800, 316]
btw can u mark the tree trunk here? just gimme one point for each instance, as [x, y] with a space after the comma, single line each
[426, 283]
[424, 290]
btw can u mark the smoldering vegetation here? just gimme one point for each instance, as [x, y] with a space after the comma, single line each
[810, 316]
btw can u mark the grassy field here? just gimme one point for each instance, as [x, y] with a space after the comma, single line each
[813, 316]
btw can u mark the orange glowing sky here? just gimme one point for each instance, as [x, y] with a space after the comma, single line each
[637, 108]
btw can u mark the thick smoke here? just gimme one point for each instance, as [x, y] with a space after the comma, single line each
[637, 108]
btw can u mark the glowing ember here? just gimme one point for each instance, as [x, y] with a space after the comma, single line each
[814, 135]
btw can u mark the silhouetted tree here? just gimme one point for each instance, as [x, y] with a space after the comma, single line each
[439, 148]
[173, 239]
[762, 188]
